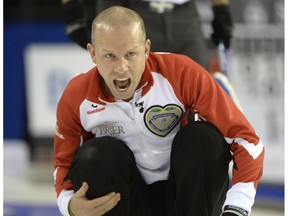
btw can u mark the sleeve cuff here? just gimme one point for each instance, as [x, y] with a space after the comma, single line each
[241, 195]
[63, 201]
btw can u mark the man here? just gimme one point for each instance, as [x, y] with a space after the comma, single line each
[124, 146]
[172, 25]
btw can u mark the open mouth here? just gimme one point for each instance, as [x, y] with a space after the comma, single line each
[122, 84]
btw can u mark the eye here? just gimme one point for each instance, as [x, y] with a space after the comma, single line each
[131, 54]
[109, 55]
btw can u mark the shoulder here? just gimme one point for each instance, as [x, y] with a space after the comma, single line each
[171, 65]
[160, 61]
[78, 87]
[81, 82]
[170, 57]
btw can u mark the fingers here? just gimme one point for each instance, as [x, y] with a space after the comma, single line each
[109, 197]
[82, 191]
[108, 202]
[80, 205]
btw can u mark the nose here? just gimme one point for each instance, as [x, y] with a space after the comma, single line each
[122, 66]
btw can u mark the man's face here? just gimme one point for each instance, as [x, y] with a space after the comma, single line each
[120, 54]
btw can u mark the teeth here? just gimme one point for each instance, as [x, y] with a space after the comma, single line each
[122, 79]
[122, 90]
[122, 84]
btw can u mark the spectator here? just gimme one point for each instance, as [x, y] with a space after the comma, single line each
[173, 26]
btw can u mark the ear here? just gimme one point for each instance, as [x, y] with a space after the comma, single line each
[147, 48]
[91, 50]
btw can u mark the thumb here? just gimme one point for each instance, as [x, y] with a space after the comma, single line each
[82, 191]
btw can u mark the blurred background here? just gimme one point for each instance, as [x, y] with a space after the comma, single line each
[39, 60]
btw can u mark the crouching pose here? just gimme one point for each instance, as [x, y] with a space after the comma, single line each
[123, 142]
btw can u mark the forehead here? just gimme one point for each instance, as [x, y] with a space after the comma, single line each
[132, 30]
[121, 37]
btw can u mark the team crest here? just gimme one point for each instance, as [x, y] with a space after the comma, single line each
[161, 120]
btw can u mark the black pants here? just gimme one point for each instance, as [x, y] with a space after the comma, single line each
[197, 184]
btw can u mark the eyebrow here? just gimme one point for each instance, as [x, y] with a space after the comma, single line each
[105, 50]
[109, 51]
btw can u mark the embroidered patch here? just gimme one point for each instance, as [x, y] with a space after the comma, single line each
[161, 120]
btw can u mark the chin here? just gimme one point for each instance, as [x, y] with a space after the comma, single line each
[125, 98]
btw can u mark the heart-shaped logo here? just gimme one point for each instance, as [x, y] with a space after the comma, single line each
[161, 120]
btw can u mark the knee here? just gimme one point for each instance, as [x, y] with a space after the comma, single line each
[198, 133]
[103, 150]
[201, 140]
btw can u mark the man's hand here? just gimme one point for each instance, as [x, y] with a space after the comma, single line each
[222, 25]
[80, 206]
[75, 22]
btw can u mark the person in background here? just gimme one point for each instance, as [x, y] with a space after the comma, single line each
[172, 25]
[123, 143]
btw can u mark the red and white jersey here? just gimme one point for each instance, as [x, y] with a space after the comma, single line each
[171, 86]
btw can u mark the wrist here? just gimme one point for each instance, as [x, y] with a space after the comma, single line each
[230, 210]
[220, 2]
[69, 209]
[220, 9]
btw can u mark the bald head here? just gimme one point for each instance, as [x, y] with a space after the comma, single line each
[120, 50]
[117, 17]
